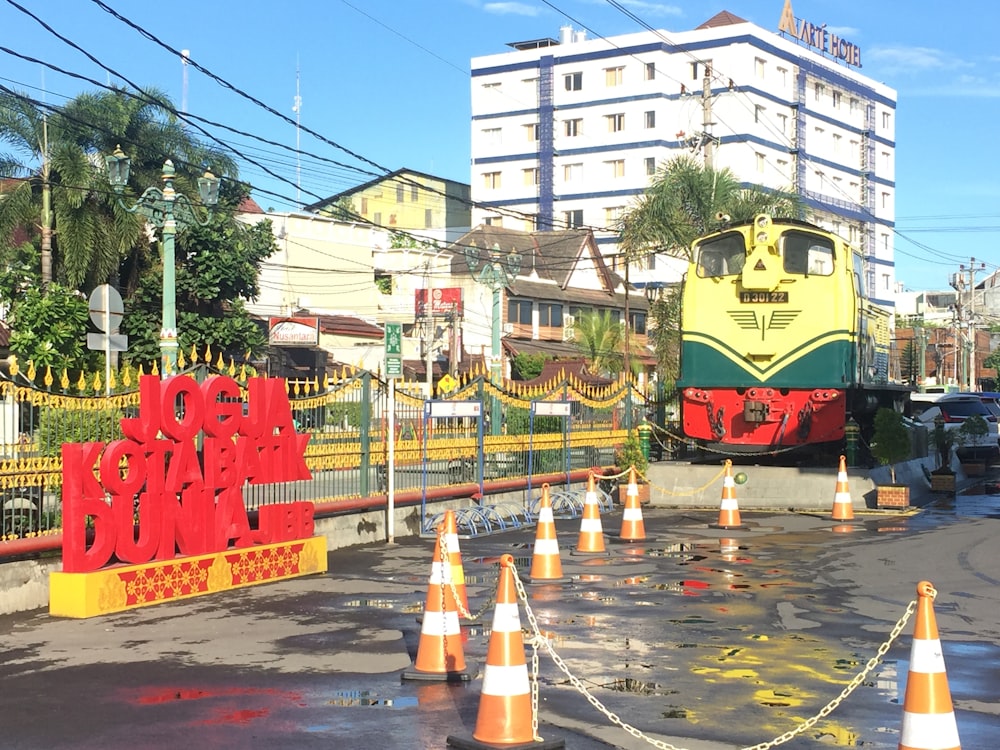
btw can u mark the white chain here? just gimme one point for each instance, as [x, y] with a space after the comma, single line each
[454, 590]
[539, 638]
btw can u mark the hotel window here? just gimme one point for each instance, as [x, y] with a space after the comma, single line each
[519, 311]
[531, 83]
[492, 136]
[761, 161]
[550, 315]
[855, 151]
[852, 234]
[414, 193]
[650, 71]
[400, 194]
[885, 241]
[783, 73]
[493, 221]
[573, 219]
[820, 90]
[530, 175]
[612, 215]
[854, 191]
[758, 65]
[885, 281]
[491, 180]
[377, 218]
[837, 138]
[886, 119]
[616, 168]
[613, 76]
[572, 172]
[836, 100]
[428, 218]
[638, 325]
[364, 206]
[650, 163]
[573, 127]
[783, 123]
[531, 131]
[885, 200]
[574, 81]
[758, 113]
[492, 85]
[650, 119]
[854, 104]
[616, 123]
[819, 132]
[886, 160]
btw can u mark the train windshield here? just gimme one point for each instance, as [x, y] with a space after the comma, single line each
[806, 254]
[721, 256]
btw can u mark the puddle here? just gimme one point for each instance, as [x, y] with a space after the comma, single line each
[369, 604]
[370, 699]
[639, 687]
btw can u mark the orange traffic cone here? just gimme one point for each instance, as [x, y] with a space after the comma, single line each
[928, 715]
[455, 559]
[505, 713]
[843, 508]
[546, 565]
[633, 528]
[591, 538]
[729, 511]
[439, 653]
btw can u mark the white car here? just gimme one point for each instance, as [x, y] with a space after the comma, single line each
[953, 409]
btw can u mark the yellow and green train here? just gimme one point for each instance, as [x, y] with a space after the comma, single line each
[780, 346]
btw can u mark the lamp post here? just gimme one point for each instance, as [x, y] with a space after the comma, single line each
[497, 271]
[164, 209]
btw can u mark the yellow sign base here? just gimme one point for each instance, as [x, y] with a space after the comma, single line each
[116, 589]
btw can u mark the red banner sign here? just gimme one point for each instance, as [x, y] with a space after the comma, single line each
[443, 302]
[154, 494]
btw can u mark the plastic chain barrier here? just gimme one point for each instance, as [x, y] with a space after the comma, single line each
[454, 590]
[665, 491]
[538, 638]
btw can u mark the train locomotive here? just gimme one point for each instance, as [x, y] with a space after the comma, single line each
[780, 347]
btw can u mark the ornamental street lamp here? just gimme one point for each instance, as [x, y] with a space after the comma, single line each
[165, 210]
[497, 272]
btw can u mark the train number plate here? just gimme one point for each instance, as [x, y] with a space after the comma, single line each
[753, 297]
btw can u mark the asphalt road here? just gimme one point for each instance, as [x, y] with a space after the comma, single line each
[691, 641]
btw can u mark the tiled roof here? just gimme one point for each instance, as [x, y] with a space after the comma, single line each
[723, 18]
[345, 325]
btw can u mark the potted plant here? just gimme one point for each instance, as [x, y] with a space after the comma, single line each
[891, 445]
[629, 454]
[971, 432]
[943, 477]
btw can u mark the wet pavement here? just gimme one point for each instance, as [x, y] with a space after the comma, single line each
[699, 637]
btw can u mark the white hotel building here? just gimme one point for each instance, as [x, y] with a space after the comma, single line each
[569, 132]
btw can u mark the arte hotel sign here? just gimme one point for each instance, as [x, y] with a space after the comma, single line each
[818, 37]
[160, 514]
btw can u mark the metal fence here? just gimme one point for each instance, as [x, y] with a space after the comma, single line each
[346, 416]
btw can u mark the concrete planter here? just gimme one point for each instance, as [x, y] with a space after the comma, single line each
[974, 468]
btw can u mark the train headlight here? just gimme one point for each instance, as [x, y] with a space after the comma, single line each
[763, 221]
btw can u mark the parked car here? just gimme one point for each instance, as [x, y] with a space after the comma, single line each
[953, 409]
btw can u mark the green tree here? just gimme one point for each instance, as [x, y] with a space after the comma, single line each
[60, 312]
[96, 240]
[529, 366]
[665, 334]
[217, 269]
[683, 203]
[992, 362]
[600, 337]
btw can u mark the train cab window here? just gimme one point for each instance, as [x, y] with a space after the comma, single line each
[722, 256]
[806, 254]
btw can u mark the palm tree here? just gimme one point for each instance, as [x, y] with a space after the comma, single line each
[60, 155]
[683, 203]
[600, 338]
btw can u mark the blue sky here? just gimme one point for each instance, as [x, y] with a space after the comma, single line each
[386, 85]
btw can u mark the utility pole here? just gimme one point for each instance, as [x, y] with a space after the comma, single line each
[973, 379]
[706, 124]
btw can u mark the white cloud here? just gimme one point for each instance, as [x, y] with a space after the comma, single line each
[899, 60]
[844, 32]
[511, 9]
